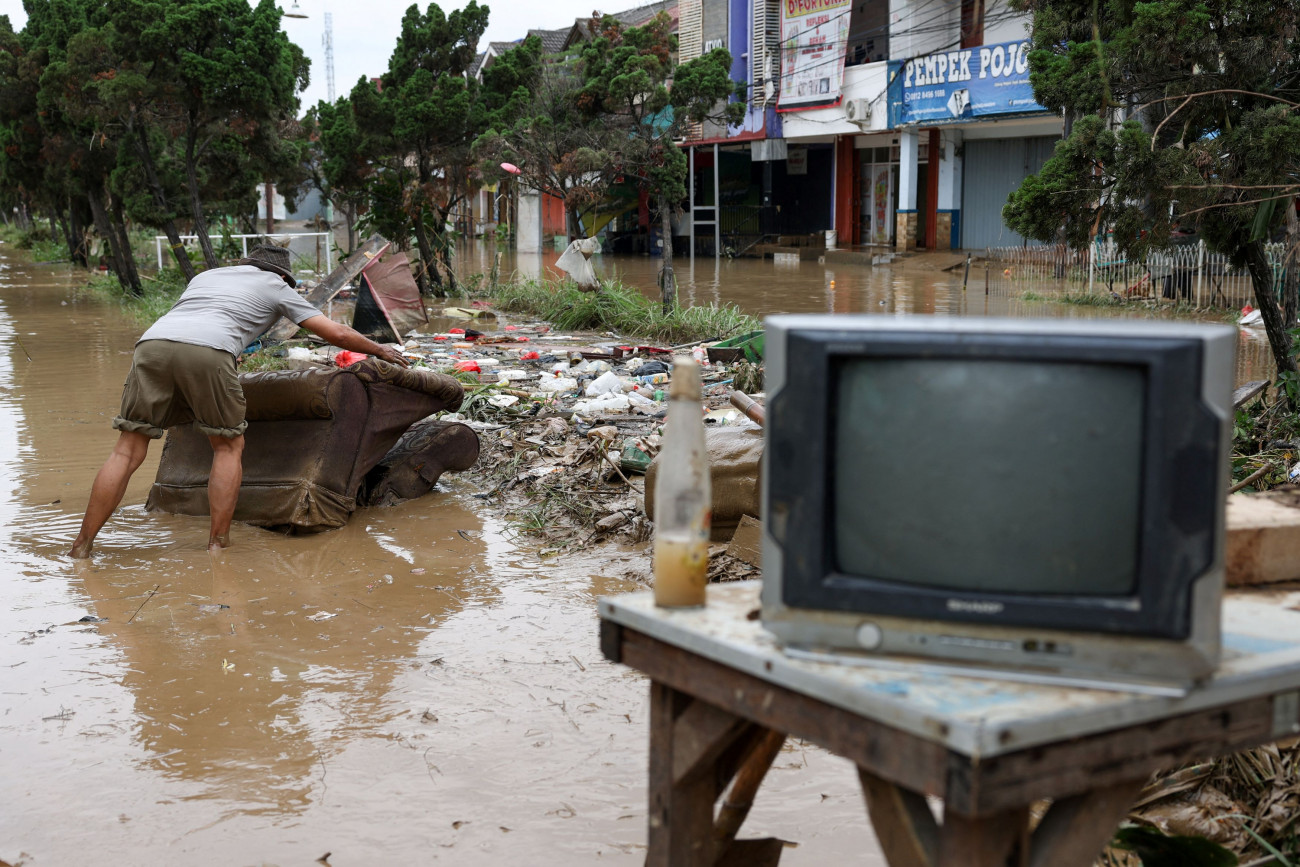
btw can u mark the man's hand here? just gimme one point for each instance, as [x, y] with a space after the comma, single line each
[345, 338]
[392, 356]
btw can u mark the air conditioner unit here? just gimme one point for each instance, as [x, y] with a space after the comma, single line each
[858, 110]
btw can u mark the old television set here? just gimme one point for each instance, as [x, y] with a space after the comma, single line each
[1036, 496]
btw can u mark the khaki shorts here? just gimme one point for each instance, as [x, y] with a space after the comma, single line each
[174, 383]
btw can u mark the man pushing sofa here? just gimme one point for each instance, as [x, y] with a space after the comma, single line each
[184, 370]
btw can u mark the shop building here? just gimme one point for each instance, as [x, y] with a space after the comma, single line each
[899, 124]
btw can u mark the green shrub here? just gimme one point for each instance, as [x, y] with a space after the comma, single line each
[620, 309]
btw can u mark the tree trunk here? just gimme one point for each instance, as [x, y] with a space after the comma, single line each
[571, 222]
[349, 212]
[667, 280]
[78, 243]
[160, 202]
[428, 276]
[119, 226]
[196, 201]
[1291, 283]
[94, 195]
[1261, 278]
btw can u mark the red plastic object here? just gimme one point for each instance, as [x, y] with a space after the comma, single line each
[439, 337]
[521, 340]
[347, 358]
[471, 366]
[512, 328]
[455, 330]
[529, 356]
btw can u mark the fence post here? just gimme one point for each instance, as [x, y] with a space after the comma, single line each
[1092, 263]
[157, 242]
[1200, 271]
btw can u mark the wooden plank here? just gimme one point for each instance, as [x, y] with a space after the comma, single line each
[1262, 545]
[1000, 840]
[752, 853]
[361, 259]
[905, 828]
[764, 746]
[611, 640]
[700, 735]
[747, 542]
[1244, 394]
[347, 271]
[889, 753]
[1082, 764]
[1076, 829]
[680, 832]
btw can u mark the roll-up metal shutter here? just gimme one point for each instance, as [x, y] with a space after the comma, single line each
[991, 169]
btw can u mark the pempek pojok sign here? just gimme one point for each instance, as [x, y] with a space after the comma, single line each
[963, 84]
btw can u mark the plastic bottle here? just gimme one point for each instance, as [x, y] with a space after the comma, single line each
[653, 379]
[683, 502]
[606, 383]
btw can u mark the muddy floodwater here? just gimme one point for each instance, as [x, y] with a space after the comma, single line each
[417, 687]
[413, 688]
[908, 286]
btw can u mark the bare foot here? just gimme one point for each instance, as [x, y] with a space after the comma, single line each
[80, 550]
[217, 543]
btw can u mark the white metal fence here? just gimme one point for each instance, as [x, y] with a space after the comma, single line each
[1190, 273]
[310, 251]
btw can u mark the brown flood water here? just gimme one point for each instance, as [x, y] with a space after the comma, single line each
[456, 708]
[763, 287]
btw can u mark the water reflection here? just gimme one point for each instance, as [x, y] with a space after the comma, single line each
[251, 667]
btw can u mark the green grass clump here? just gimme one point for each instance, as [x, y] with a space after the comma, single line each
[158, 295]
[272, 358]
[621, 309]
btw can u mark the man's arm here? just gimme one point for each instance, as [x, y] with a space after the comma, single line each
[346, 338]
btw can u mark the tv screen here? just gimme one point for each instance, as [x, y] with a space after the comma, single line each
[979, 475]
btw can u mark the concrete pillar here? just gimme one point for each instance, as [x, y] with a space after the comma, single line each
[528, 229]
[905, 219]
[950, 178]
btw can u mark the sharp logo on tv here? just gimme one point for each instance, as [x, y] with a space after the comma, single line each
[972, 607]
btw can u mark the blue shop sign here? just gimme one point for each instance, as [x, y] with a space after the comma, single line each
[963, 84]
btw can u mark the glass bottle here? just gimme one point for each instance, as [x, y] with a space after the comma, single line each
[683, 502]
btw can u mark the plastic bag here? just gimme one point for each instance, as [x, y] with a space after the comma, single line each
[574, 262]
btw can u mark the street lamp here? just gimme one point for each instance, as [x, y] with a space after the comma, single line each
[295, 11]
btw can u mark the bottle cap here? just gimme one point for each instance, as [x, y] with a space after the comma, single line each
[685, 384]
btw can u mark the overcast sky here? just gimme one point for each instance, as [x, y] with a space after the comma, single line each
[365, 31]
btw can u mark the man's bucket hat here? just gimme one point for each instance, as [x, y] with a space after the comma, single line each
[271, 258]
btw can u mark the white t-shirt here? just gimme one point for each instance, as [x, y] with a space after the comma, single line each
[229, 308]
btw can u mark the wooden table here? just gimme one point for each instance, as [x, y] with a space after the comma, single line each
[723, 698]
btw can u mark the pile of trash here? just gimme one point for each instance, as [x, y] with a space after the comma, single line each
[569, 423]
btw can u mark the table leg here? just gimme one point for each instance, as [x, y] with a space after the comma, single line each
[910, 836]
[696, 749]
[681, 805]
[999, 840]
[905, 828]
[1075, 829]
[1071, 834]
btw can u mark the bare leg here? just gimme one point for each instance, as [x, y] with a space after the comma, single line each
[223, 487]
[109, 487]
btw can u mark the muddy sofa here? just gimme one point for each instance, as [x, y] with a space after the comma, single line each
[313, 438]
